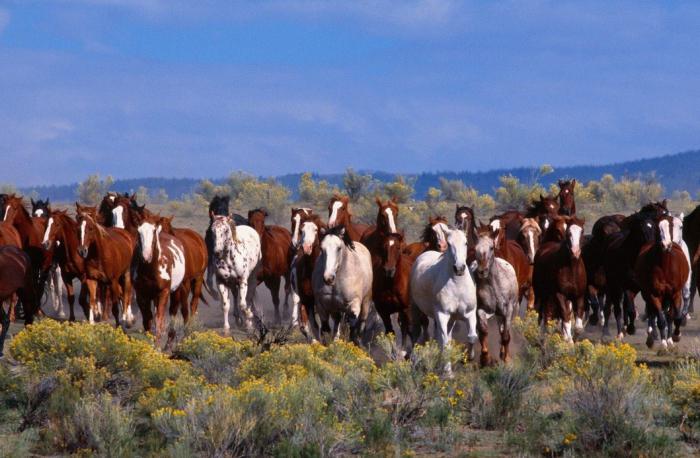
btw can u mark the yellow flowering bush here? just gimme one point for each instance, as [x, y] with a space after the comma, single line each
[684, 392]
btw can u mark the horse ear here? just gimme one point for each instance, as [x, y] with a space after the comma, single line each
[32, 201]
[47, 201]
[378, 200]
[682, 216]
[541, 197]
[395, 199]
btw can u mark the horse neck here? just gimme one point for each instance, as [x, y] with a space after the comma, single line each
[259, 227]
[69, 240]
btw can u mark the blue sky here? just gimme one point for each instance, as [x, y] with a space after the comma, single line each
[139, 88]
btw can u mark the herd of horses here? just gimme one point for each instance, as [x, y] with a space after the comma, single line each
[338, 271]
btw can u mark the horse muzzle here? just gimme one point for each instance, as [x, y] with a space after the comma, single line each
[307, 249]
[459, 270]
[47, 245]
[329, 279]
[482, 273]
[390, 272]
[83, 251]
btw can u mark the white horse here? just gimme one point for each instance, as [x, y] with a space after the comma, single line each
[238, 258]
[342, 283]
[442, 288]
[496, 291]
[677, 237]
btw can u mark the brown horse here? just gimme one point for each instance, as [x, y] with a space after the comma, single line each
[15, 280]
[307, 251]
[9, 235]
[429, 239]
[31, 232]
[276, 244]
[125, 212]
[464, 220]
[508, 222]
[544, 210]
[339, 215]
[559, 278]
[691, 235]
[196, 262]
[661, 270]
[107, 253]
[567, 203]
[160, 273]
[61, 238]
[390, 291]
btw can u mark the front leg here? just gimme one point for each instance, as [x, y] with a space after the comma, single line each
[482, 327]
[225, 303]
[243, 305]
[442, 335]
[92, 291]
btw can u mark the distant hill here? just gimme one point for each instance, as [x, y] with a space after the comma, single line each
[679, 171]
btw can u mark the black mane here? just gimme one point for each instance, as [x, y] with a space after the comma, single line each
[339, 231]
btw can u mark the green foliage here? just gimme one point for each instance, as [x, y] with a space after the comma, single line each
[91, 190]
[356, 185]
[8, 188]
[315, 193]
[401, 189]
[514, 194]
[142, 195]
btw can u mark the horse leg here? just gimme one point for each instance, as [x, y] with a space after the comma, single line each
[630, 312]
[337, 321]
[84, 299]
[182, 295]
[162, 302]
[225, 303]
[92, 290]
[178, 300]
[288, 290]
[650, 310]
[565, 312]
[694, 284]
[384, 313]
[56, 291]
[244, 305]
[661, 321]
[128, 317]
[504, 328]
[144, 304]
[5, 322]
[197, 285]
[417, 325]
[594, 303]
[482, 328]
[580, 314]
[405, 326]
[530, 298]
[677, 315]
[70, 294]
[442, 335]
[273, 284]
[116, 292]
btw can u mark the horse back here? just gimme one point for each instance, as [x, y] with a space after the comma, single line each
[195, 250]
[15, 270]
[9, 235]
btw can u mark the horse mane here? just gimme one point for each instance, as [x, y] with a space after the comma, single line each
[428, 234]
[99, 227]
[339, 231]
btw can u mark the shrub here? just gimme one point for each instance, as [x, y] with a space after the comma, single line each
[102, 425]
[213, 356]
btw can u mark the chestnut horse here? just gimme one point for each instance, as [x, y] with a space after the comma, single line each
[567, 203]
[339, 215]
[196, 262]
[61, 237]
[390, 291]
[544, 210]
[661, 270]
[275, 243]
[15, 280]
[159, 275]
[107, 253]
[31, 232]
[559, 277]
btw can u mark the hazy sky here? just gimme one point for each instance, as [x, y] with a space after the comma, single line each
[139, 88]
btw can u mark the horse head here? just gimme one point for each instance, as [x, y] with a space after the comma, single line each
[566, 197]
[40, 208]
[574, 235]
[338, 211]
[529, 236]
[486, 244]
[387, 216]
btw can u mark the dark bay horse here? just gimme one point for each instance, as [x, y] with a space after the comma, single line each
[62, 238]
[544, 210]
[40, 208]
[276, 246]
[107, 253]
[15, 280]
[559, 277]
[339, 215]
[691, 235]
[567, 203]
[661, 270]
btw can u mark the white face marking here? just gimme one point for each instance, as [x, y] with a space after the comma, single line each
[178, 268]
[112, 198]
[146, 233]
[48, 230]
[7, 210]
[332, 246]
[309, 232]
[665, 231]
[551, 206]
[495, 225]
[441, 230]
[575, 239]
[531, 243]
[546, 224]
[337, 205]
[391, 242]
[38, 212]
[566, 191]
[83, 225]
[390, 217]
[118, 214]
[295, 231]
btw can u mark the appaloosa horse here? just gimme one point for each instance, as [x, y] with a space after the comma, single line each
[496, 292]
[238, 259]
[107, 253]
[339, 215]
[567, 203]
[15, 280]
[61, 238]
[159, 274]
[661, 270]
[218, 206]
[342, 283]
[441, 287]
[559, 277]
[276, 244]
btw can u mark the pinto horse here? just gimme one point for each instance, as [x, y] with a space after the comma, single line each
[107, 253]
[307, 228]
[61, 238]
[15, 280]
[160, 274]
[275, 243]
[661, 270]
[567, 203]
[559, 277]
[339, 215]
[390, 291]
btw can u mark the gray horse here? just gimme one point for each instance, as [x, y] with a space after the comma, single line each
[342, 283]
[496, 292]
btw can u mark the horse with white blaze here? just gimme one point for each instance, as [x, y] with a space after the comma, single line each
[342, 282]
[238, 258]
[442, 288]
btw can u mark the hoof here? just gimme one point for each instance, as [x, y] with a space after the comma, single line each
[631, 328]
[227, 330]
[593, 319]
[620, 336]
[670, 342]
[676, 338]
[650, 341]
[485, 360]
[664, 344]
